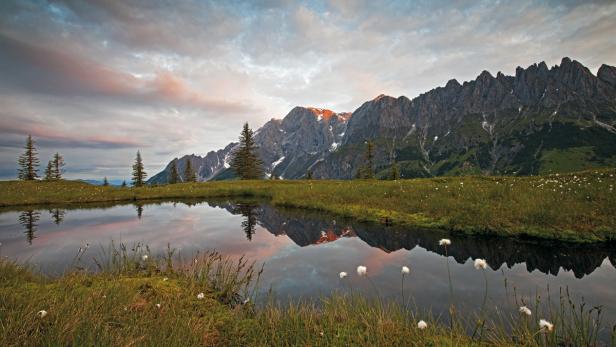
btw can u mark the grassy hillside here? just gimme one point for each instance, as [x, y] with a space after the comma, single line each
[578, 207]
[136, 300]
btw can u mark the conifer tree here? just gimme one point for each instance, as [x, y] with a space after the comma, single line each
[58, 164]
[246, 162]
[105, 182]
[395, 171]
[309, 175]
[49, 171]
[139, 174]
[28, 162]
[189, 173]
[368, 169]
[174, 176]
[123, 184]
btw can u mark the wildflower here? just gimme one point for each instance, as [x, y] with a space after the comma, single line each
[165, 279]
[104, 296]
[525, 310]
[321, 334]
[406, 270]
[480, 264]
[343, 274]
[41, 313]
[246, 301]
[545, 326]
[362, 270]
[200, 296]
[144, 257]
[157, 305]
[422, 325]
[444, 242]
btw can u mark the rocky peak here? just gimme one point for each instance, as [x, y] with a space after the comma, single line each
[607, 74]
[452, 84]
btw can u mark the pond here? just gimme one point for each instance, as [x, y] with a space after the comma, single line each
[304, 252]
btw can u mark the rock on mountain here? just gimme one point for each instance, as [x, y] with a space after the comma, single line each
[206, 167]
[540, 120]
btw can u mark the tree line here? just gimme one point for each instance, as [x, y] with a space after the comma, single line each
[246, 164]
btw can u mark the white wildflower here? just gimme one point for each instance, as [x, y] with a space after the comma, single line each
[525, 310]
[545, 326]
[362, 270]
[41, 313]
[165, 279]
[406, 270]
[342, 275]
[444, 242]
[200, 296]
[144, 257]
[157, 305]
[480, 264]
[422, 325]
[246, 301]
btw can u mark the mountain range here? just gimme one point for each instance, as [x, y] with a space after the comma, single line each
[541, 120]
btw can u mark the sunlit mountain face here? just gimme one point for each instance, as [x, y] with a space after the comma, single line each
[97, 81]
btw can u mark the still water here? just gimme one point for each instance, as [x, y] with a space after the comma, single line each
[304, 252]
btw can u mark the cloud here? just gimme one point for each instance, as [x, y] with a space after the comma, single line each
[182, 77]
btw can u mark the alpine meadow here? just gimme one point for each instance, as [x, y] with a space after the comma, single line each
[308, 173]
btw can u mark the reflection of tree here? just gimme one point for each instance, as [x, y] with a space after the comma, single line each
[29, 219]
[250, 213]
[57, 215]
[139, 210]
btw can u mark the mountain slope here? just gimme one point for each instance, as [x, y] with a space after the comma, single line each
[540, 120]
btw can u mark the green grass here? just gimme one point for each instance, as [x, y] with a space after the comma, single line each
[576, 207]
[119, 306]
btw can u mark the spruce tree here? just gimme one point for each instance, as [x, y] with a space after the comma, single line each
[395, 171]
[368, 170]
[28, 162]
[105, 181]
[174, 176]
[139, 174]
[246, 162]
[58, 164]
[189, 173]
[49, 171]
[123, 184]
[309, 175]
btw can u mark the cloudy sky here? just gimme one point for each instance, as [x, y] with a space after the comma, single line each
[98, 80]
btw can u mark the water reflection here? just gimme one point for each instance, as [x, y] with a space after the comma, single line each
[308, 228]
[57, 215]
[29, 220]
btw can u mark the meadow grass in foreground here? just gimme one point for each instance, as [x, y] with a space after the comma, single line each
[576, 207]
[137, 299]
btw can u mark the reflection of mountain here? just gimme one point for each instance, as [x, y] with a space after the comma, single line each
[310, 228]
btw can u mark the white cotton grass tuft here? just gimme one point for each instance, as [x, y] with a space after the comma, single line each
[406, 270]
[343, 275]
[421, 325]
[144, 257]
[362, 270]
[480, 264]
[545, 326]
[525, 310]
[200, 296]
[157, 305]
[444, 242]
[41, 313]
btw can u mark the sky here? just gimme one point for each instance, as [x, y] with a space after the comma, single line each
[99, 80]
